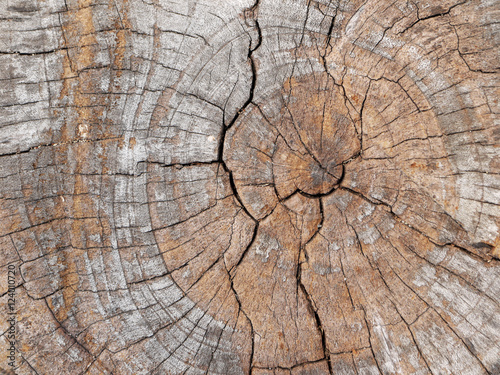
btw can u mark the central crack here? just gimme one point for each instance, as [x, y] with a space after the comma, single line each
[282, 153]
[297, 141]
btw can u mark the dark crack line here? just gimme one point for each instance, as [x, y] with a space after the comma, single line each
[408, 326]
[462, 54]
[471, 253]
[220, 159]
[251, 60]
[291, 367]
[73, 141]
[187, 336]
[212, 353]
[318, 195]
[227, 126]
[240, 309]
[66, 332]
[236, 193]
[313, 310]
[320, 225]
[371, 343]
[252, 240]
[441, 14]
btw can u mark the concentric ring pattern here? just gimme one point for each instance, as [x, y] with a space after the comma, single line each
[229, 187]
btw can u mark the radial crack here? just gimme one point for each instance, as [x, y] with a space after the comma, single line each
[313, 310]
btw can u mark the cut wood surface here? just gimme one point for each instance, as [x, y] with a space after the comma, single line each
[227, 187]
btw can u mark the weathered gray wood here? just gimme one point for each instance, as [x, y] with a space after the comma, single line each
[230, 187]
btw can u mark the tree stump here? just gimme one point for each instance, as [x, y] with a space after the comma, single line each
[230, 187]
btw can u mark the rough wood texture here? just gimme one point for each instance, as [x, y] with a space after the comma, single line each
[228, 187]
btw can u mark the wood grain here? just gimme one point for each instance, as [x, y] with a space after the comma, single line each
[237, 187]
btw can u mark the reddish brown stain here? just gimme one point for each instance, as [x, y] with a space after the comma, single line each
[85, 107]
[132, 142]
